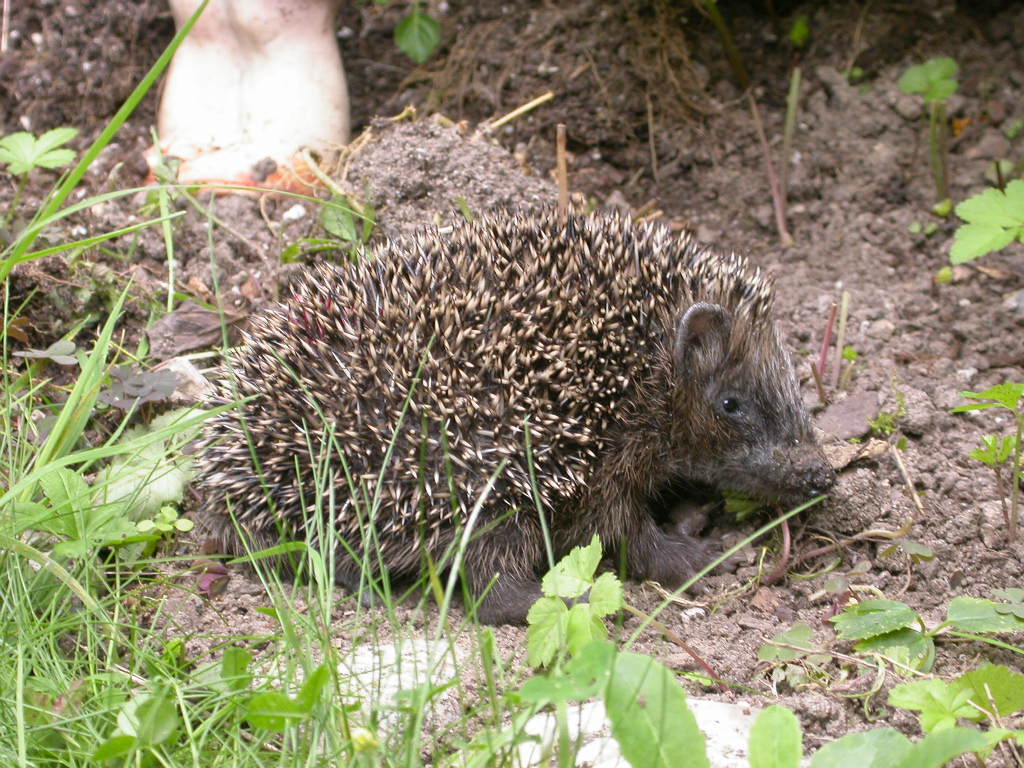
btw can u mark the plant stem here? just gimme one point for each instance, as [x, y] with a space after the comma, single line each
[778, 201]
[938, 149]
[789, 128]
[1011, 532]
[1001, 490]
[733, 55]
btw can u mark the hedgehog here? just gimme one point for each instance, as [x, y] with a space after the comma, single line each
[521, 365]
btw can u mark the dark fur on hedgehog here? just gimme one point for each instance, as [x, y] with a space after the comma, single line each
[640, 359]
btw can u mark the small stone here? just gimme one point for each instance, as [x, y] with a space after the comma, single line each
[920, 412]
[294, 213]
[1014, 304]
[908, 107]
[850, 418]
[991, 146]
[881, 329]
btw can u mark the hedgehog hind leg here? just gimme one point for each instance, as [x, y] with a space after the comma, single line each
[501, 567]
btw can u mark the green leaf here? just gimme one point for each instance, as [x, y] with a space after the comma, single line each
[592, 667]
[22, 151]
[939, 703]
[157, 720]
[1002, 208]
[606, 595]
[548, 619]
[995, 218]
[993, 685]
[878, 748]
[775, 739]
[313, 688]
[935, 79]
[800, 32]
[904, 646]
[583, 627]
[273, 711]
[339, 219]
[800, 635]
[1007, 394]
[118, 746]
[417, 36]
[573, 574]
[872, 617]
[974, 614]
[649, 717]
[937, 749]
[234, 668]
[973, 240]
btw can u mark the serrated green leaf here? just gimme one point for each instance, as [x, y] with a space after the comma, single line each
[548, 619]
[606, 595]
[993, 685]
[66, 491]
[573, 574]
[1007, 394]
[973, 240]
[55, 158]
[649, 717]
[16, 151]
[939, 703]
[974, 614]
[22, 151]
[995, 206]
[800, 635]
[937, 749]
[54, 138]
[417, 36]
[1010, 594]
[775, 739]
[872, 617]
[904, 646]
[583, 627]
[878, 748]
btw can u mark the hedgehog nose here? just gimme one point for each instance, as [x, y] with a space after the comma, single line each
[819, 479]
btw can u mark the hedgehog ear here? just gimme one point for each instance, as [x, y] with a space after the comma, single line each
[702, 339]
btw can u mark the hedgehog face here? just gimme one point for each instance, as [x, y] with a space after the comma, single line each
[747, 428]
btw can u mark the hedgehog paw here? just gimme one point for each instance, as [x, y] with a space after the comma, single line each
[508, 601]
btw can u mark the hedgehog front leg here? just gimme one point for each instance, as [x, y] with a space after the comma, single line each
[619, 514]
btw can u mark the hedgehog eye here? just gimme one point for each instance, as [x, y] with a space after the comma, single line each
[730, 404]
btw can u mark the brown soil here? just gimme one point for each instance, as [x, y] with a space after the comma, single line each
[659, 126]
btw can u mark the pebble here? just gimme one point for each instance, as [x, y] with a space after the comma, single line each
[991, 146]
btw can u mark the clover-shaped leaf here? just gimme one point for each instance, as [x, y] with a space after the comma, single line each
[132, 387]
[61, 352]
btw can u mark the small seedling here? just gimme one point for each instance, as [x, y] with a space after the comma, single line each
[936, 81]
[990, 692]
[799, 35]
[418, 35]
[994, 219]
[995, 452]
[22, 152]
[553, 624]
